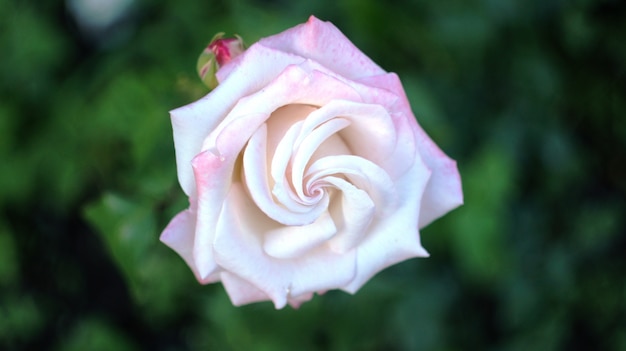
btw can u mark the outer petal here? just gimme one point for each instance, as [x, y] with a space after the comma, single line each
[179, 236]
[324, 43]
[296, 301]
[240, 291]
[443, 192]
[213, 174]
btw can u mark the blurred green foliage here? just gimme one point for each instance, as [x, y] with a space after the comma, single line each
[528, 96]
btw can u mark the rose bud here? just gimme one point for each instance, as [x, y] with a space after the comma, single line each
[219, 52]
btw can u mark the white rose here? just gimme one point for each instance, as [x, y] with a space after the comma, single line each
[305, 170]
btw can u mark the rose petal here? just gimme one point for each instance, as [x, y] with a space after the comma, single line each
[283, 119]
[296, 301]
[210, 173]
[443, 192]
[370, 93]
[324, 43]
[179, 236]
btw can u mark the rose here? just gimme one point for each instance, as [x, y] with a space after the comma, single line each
[305, 170]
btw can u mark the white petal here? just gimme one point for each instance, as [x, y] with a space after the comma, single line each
[213, 176]
[324, 43]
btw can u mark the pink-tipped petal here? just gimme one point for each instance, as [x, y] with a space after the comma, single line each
[322, 42]
[443, 192]
[179, 236]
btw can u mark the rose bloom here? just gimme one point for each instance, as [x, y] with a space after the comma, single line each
[306, 171]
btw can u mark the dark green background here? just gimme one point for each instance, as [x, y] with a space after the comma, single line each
[528, 96]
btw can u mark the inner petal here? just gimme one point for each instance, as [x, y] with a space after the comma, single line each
[281, 120]
[257, 183]
[307, 148]
[371, 134]
[280, 166]
[362, 173]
